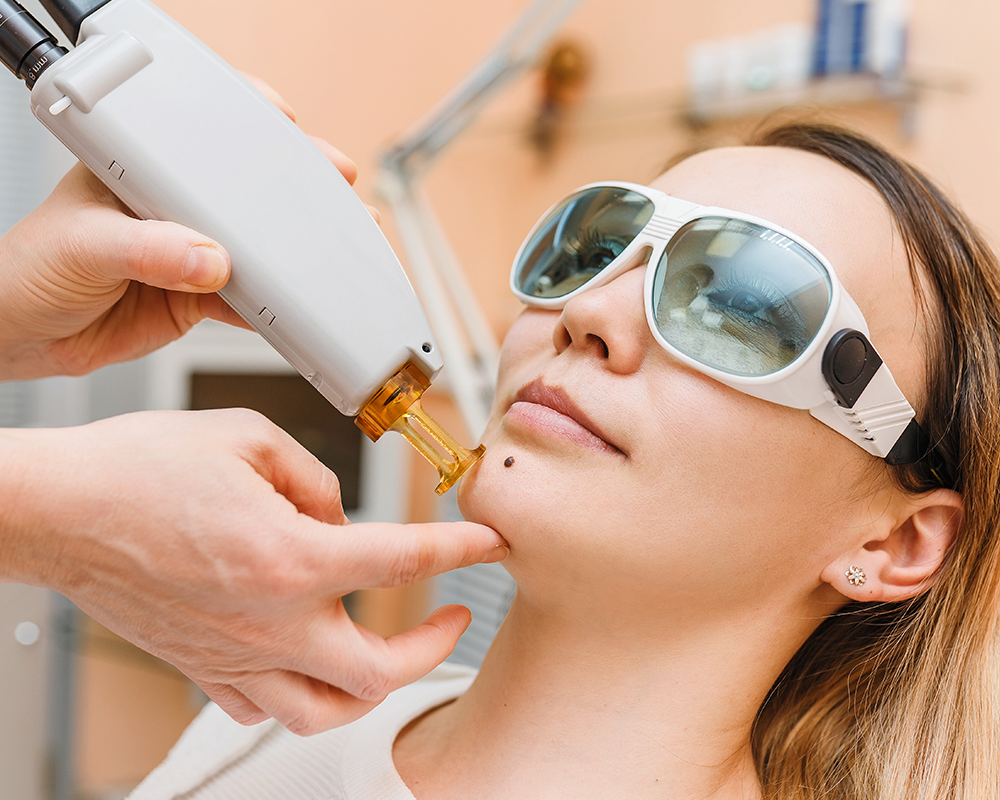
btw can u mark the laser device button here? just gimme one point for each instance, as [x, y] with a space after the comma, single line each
[60, 105]
[266, 316]
[116, 170]
[104, 68]
[315, 379]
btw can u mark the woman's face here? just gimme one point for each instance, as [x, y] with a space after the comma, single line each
[632, 470]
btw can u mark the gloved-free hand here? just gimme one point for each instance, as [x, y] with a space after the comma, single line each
[213, 540]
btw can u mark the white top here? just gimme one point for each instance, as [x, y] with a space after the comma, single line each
[219, 759]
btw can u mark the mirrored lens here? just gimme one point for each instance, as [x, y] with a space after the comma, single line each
[738, 296]
[584, 234]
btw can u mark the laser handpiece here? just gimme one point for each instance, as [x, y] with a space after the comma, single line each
[179, 135]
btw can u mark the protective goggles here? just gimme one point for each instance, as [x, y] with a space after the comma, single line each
[737, 298]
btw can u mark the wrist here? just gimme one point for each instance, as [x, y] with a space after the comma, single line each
[21, 355]
[20, 361]
[27, 543]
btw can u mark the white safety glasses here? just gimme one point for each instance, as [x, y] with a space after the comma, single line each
[738, 298]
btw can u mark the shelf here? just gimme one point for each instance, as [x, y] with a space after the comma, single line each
[840, 90]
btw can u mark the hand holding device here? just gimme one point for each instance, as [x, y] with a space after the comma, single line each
[85, 285]
[242, 596]
[178, 135]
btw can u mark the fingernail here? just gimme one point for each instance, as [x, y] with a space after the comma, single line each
[204, 266]
[498, 553]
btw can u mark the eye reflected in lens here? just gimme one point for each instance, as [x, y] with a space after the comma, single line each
[738, 296]
[578, 240]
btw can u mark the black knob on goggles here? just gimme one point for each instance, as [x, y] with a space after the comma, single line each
[849, 363]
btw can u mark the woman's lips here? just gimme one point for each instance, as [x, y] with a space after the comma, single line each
[549, 410]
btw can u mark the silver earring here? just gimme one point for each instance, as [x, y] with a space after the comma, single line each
[856, 576]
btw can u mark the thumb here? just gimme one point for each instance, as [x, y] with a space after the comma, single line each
[114, 246]
[165, 255]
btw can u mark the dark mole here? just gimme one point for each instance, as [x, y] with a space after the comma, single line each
[509, 462]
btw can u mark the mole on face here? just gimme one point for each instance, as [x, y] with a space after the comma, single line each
[509, 462]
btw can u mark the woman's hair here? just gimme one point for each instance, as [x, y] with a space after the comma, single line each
[900, 701]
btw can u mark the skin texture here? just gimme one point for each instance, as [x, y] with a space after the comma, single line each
[213, 540]
[674, 550]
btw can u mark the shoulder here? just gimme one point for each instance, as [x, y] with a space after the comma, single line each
[366, 768]
[219, 758]
[211, 742]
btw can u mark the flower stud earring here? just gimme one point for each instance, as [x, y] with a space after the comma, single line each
[856, 576]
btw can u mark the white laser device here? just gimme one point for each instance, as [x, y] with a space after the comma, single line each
[178, 134]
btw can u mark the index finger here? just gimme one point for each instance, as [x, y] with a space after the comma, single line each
[374, 555]
[268, 91]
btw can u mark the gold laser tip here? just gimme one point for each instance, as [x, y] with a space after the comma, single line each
[396, 407]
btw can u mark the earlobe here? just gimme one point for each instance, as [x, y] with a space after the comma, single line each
[903, 561]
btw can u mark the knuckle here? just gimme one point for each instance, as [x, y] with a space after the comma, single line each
[280, 586]
[370, 676]
[244, 715]
[73, 362]
[137, 253]
[257, 573]
[234, 703]
[329, 482]
[248, 420]
[151, 248]
[270, 574]
[329, 488]
[239, 428]
[375, 688]
[306, 722]
[412, 565]
[254, 429]
[253, 717]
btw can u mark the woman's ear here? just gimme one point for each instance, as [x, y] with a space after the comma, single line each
[903, 558]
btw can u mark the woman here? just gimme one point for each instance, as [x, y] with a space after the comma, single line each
[719, 595]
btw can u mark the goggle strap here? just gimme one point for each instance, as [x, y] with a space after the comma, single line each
[913, 445]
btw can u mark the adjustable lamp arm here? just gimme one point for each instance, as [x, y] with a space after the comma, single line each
[440, 280]
[517, 51]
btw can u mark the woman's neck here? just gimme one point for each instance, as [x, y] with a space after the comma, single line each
[570, 706]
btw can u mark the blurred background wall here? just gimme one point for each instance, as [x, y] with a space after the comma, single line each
[635, 82]
[360, 74]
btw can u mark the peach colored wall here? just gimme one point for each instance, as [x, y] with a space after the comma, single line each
[131, 708]
[958, 135]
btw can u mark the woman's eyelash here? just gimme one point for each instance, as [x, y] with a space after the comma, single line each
[774, 310]
[590, 240]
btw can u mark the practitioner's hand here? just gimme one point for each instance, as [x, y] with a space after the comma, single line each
[84, 284]
[213, 540]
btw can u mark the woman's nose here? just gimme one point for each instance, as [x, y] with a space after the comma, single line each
[608, 322]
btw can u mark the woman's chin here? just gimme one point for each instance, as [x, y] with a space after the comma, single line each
[474, 490]
[498, 490]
